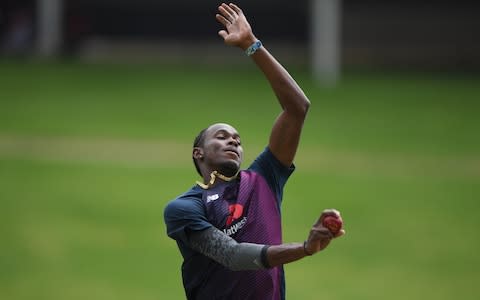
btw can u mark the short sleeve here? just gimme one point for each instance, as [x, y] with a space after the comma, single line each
[275, 173]
[183, 215]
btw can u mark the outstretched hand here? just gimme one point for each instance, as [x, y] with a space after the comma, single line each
[320, 236]
[238, 31]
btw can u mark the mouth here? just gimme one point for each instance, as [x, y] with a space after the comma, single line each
[232, 151]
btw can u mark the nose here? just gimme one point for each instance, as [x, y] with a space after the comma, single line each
[232, 141]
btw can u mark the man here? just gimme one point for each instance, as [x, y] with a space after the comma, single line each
[228, 228]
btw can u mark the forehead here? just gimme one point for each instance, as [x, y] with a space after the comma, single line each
[221, 127]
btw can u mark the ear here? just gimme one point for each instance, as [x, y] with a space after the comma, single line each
[197, 153]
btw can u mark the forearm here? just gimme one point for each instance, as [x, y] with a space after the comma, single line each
[285, 253]
[286, 131]
[243, 256]
[287, 128]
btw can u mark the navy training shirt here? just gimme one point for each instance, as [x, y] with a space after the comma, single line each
[248, 210]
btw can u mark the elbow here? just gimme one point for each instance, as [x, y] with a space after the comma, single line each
[302, 108]
[306, 106]
[243, 267]
[247, 257]
[234, 265]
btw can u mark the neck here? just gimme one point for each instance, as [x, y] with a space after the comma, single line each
[213, 178]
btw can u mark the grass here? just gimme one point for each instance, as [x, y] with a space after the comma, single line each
[396, 153]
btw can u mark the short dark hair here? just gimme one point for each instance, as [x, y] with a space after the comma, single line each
[198, 142]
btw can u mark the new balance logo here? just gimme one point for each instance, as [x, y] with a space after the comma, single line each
[211, 198]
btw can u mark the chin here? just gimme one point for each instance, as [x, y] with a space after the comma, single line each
[230, 168]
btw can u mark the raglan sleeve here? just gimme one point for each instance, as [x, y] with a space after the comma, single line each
[275, 173]
[183, 216]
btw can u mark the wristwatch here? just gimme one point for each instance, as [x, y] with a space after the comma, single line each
[253, 48]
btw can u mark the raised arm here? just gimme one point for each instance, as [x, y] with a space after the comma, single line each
[286, 131]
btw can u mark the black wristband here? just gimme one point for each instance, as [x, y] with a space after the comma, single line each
[263, 257]
[305, 249]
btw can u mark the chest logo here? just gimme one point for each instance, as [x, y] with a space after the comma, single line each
[235, 212]
[211, 198]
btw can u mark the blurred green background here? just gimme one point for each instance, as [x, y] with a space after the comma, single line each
[91, 154]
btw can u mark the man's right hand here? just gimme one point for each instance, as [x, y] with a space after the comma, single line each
[238, 31]
[320, 236]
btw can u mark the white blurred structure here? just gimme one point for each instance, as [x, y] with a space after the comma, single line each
[49, 24]
[325, 40]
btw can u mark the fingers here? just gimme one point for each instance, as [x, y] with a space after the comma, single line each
[236, 9]
[223, 34]
[227, 12]
[321, 232]
[339, 234]
[324, 233]
[318, 239]
[331, 212]
[222, 20]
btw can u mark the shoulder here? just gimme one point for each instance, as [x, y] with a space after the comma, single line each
[189, 202]
[266, 161]
[273, 171]
[184, 214]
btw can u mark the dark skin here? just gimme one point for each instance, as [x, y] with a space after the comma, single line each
[222, 150]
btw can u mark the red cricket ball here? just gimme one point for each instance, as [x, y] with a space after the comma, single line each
[333, 223]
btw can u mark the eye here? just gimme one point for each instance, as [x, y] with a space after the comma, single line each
[221, 137]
